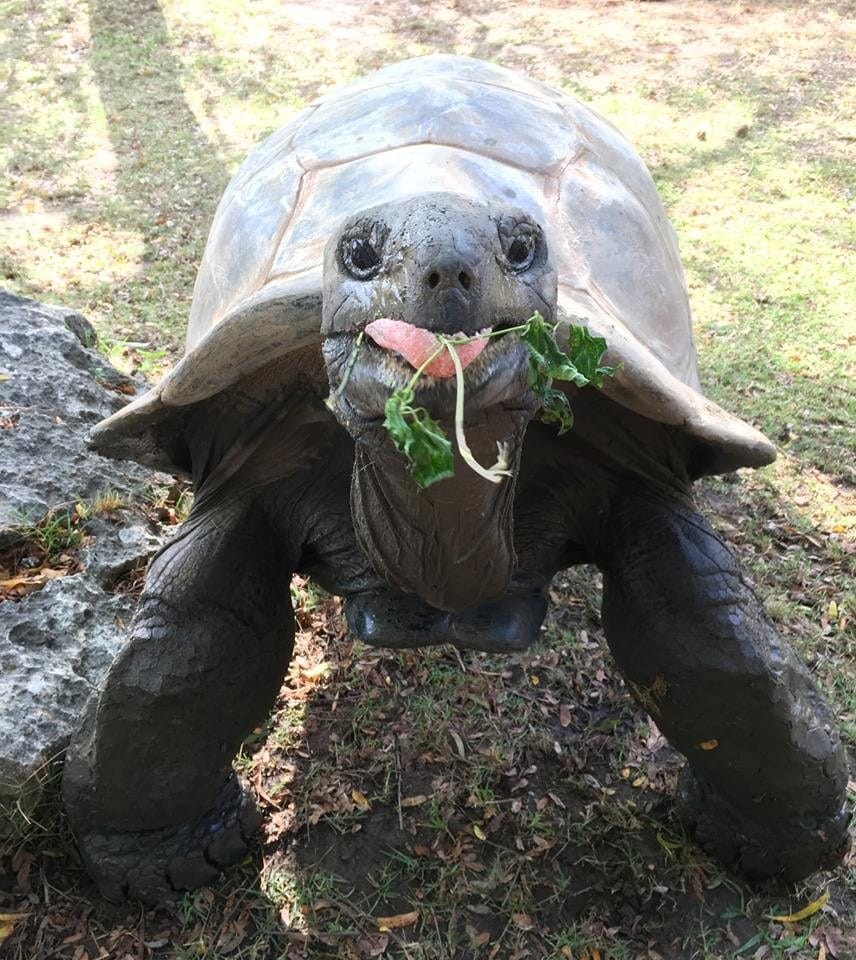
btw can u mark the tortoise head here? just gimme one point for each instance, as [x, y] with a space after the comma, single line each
[401, 274]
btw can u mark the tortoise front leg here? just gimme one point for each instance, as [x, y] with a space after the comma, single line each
[766, 791]
[149, 787]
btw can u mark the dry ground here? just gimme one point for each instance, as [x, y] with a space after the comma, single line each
[496, 808]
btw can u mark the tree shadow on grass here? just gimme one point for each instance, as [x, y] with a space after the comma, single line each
[166, 161]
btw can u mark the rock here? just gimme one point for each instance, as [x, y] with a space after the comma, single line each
[56, 643]
[51, 393]
[54, 646]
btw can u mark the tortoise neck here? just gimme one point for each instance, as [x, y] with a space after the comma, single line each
[451, 544]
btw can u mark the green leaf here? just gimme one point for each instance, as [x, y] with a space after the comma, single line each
[420, 438]
[546, 355]
[585, 351]
[396, 425]
[429, 451]
[556, 409]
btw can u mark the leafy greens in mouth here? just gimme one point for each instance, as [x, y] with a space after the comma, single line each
[422, 440]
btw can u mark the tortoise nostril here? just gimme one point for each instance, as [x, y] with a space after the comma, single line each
[450, 276]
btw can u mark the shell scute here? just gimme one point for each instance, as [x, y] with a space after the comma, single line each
[629, 263]
[244, 237]
[331, 192]
[457, 113]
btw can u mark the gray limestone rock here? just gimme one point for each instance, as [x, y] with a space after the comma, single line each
[56, 643]
[54, 646]
[53, 390]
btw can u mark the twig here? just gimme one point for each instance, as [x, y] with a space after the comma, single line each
[398, 782]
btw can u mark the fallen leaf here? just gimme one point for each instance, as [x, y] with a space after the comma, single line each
[373, 945]
[359, 799]
[317, 672]
[564, 715]
[808, 911]
[414, 801]
[477, 830]
[396, 922]
[6, 931]
[709, 744]
[459, 743]
[523, 920]
[14, 582]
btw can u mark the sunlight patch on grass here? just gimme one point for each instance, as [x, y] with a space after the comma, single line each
[63, 256]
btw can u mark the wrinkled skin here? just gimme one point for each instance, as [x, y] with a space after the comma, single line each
[283, 486]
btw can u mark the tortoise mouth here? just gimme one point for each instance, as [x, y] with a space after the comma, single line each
[424, 350]
[364, 373]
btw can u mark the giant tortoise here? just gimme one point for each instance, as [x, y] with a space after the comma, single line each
[446, 196]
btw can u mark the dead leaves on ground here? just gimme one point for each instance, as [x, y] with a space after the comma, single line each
[25, 569]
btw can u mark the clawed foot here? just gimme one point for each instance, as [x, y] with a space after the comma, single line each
[158, 865]
[771, 846]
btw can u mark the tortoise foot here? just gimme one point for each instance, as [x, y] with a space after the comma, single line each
[789, 847]
[508, 625]
[159, 865]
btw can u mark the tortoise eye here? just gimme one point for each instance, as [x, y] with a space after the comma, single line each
[519, 244]
[359, 257]
[520, 252]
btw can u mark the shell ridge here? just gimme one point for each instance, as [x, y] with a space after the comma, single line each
[299, 198]
[285, 148]
[327, 165]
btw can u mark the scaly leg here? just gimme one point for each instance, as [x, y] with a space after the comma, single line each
[149, 787]
[768, 773]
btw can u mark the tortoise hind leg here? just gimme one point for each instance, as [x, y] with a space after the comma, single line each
[766, 787]
[149, 787]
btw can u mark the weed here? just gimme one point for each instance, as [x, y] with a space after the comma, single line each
[58, 531]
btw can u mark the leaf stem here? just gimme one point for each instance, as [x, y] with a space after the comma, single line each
[421, 369]
[500, 468]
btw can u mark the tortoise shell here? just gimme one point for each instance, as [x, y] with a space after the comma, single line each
[454, 124]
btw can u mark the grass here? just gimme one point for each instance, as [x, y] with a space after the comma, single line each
[520, 806]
